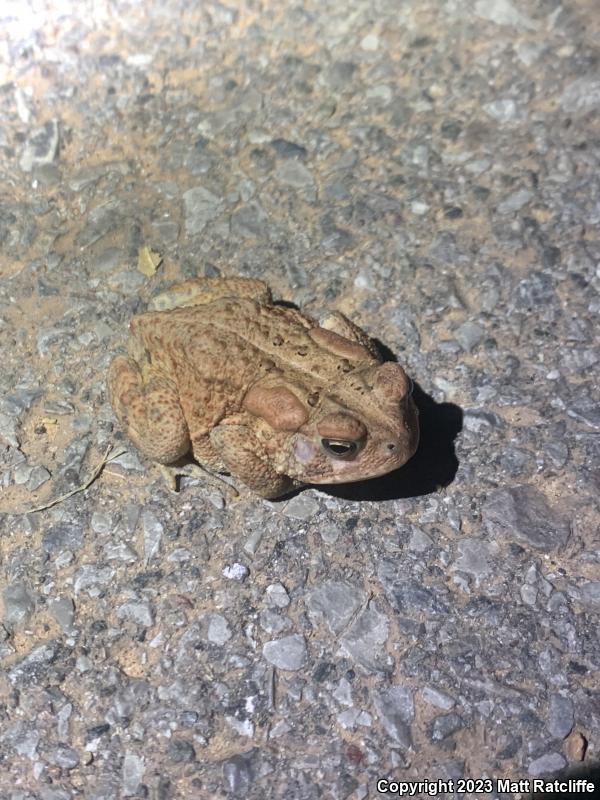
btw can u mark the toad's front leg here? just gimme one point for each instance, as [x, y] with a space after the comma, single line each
[244, 457]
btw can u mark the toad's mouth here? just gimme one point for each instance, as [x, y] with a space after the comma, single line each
[356, 476]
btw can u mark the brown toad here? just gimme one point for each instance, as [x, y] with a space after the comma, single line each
[259, 390]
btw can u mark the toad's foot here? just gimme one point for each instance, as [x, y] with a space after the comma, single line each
[193, 470]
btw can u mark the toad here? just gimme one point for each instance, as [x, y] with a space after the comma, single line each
[219, 372]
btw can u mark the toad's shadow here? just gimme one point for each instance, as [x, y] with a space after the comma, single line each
[433, 465]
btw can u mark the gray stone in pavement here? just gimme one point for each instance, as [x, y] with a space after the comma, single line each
[201, 206]
[41, 146]
[522, 513]
[288, 653]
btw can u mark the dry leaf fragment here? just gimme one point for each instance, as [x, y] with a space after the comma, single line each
[148, 261]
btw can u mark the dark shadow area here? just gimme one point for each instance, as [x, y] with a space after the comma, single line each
[286, 304]
[581, 772]
[433, 465]
[385, 351]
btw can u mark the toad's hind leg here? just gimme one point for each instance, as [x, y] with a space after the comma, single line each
[149, 411]
[199, 291]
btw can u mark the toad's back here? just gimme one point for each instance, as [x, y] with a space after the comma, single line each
[236, 340]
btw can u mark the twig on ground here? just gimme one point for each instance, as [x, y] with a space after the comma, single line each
[105, 460]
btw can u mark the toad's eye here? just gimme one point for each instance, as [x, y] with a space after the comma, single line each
[339, 448]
